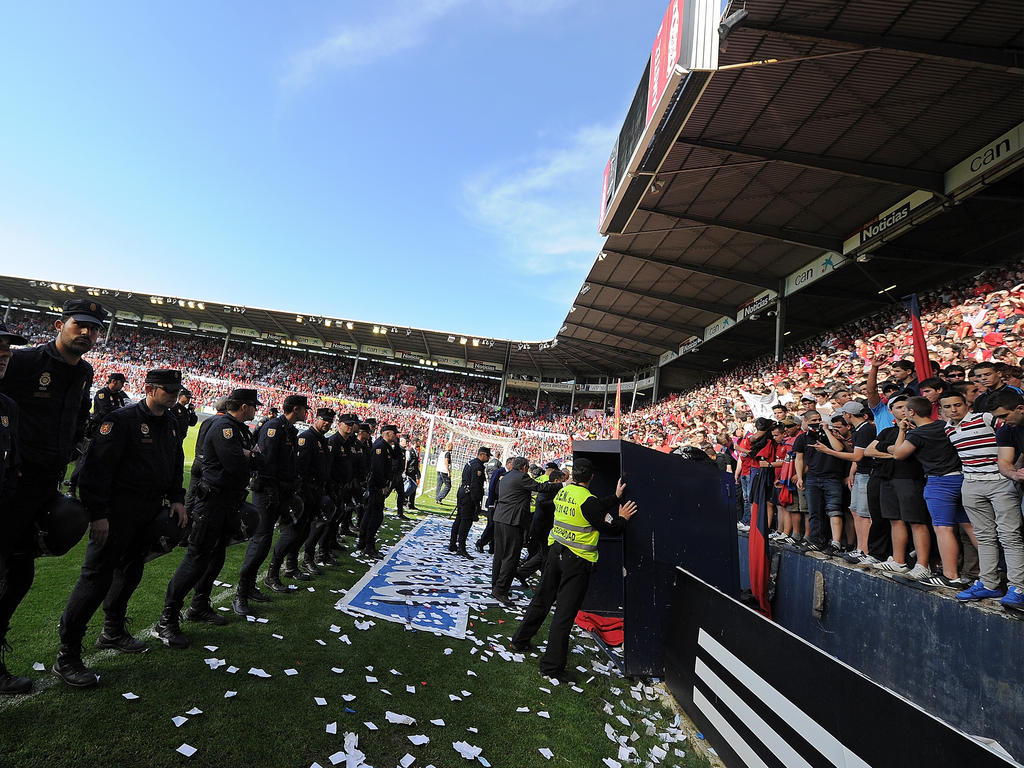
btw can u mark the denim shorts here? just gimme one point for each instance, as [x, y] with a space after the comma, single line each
[859, 496]
[942, 495]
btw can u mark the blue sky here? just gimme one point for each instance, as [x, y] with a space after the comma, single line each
[434, 164]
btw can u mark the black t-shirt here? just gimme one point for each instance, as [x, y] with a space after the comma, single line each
[863, 436]
[936, 454]
[906, 469]
[1011, 437]
[817, 463]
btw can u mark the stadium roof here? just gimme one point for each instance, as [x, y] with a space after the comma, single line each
[314, 332]
[767, 177]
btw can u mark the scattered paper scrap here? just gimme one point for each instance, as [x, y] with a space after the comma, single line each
[130, 696]
[395, 717]
[439, 721]
[337, 670]
[371, 679]
[548, 754]
[410, 689]
[406, 761]
[194, 711]
[467, 750]
[179, 721]
[371, 726]
[320, 701]
[39, 666]
[332, 727]
[230, 694]
[211, 648]
[277, 636]
[320, 642]
[544, 714]
[348, 696]
[419, 739]
[291, 672]
[186, 749]
[522, 709]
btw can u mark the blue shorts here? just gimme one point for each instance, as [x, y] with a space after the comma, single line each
[942, 495]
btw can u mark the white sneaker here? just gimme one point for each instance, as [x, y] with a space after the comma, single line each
[892, 566]
[742, 527]
[869, 560]
[919, 572]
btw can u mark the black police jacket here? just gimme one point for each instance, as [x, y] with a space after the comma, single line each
[135, 456]
[224, 463]
[105, 401]
[412, 464]
[380, 465]
[53, 403]
[361, 450]
[313, 458]
[473, 480]
[277, 438]
[342, 458]
[10, 459]
[397, 460]
[186, 417]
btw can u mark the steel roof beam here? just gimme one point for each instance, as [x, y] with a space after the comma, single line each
[811, 240]
[645, 356]
[733, 275]
[691, 330]
[713, 307]
[618, 335]
[1002, 59]
[887, 174]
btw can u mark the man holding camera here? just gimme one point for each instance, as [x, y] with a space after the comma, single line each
[820, 477]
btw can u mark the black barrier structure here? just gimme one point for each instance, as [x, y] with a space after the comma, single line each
[766, 698]
[940, 654]
[685, 518]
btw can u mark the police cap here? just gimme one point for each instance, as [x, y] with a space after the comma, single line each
[85, 311]
[364, 427]
[371, 421]
[116, 377]
[348, 418]
[296, 401]
[13, 338]
[483, 449]
[246, 396]
[165, 378]
[388, 428]
[326, 414]
[551, 465]
[186, 392]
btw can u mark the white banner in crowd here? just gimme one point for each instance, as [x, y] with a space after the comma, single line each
[760, 405]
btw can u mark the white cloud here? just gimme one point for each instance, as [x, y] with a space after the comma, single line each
[361, 44]
[545, 211]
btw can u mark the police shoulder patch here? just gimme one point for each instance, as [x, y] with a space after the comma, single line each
[479, 472]
[145, 428]
[378, 450]
[302, 441]
[105, 427]
[271, 432]
[227, 433]
[5, 421]
[100, 395]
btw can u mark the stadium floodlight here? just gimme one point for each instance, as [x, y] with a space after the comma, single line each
[434, 363]
[181, 302]
[884, 290]
[350, 325]
[376, 329]
[725, 359]
[191, 305]
[328, 322]
[421, 361]
[200, 305]
[602, 256]
[462, 340]
[451, 339]
[298, 318]
[476, 342]
[585, 289]
[408, 331]
[383, 329]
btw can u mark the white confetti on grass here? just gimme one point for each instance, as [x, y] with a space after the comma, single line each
[187, 750]
[179, 721]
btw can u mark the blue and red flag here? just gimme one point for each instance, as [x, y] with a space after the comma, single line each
[922, 362]
[757, 542]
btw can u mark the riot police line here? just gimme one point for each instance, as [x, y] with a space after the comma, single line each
[313, 486]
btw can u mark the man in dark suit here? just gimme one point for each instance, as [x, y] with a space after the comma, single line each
[511, 517]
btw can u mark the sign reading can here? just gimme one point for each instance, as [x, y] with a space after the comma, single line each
[717, 327]
[994, 155]
[817, 269]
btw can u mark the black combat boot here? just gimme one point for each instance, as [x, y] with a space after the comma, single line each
[309, 566]
[273, 577]
[116, 637]
[201, 610]
[240, 604]
[69, 667]
[327, 557]
[11, 684]
[168, 629]
[291, 569]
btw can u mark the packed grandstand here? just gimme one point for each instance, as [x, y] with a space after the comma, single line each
[969, 322]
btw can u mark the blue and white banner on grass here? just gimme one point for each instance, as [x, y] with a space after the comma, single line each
[420, 584]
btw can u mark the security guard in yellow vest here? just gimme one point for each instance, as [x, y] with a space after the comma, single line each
[580, 517]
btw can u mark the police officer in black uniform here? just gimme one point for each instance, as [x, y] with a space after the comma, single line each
[107, 398]
[314, 463]
[398, 476]
[184, 413]
[134, 464]
[10, 466]
[227, 462]
[294, 527]
[467, 501]
[342, 485]
[412, 471]
[50, 384]
[378, 486]
[361, 472]
[264, 418]
[275, 484]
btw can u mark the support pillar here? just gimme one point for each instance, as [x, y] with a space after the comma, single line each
[224, 351]
[504, 375]
[572, 397]
[636, 378]
[355, 365]
[657, 383]
[110, 330]
[780, 327]
[536, 406]
[606, 381]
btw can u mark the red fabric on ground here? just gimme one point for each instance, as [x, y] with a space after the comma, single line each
[609, 628]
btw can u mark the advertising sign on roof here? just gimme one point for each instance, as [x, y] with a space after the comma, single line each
[180, 322]
[213, 327]
[309, 341]
[241, 330]
[717, 327]
[447, 360]
[889, 223]
[124, 314]
[370, 349]
[817, 269]
[690, 345]
[996, 155]
[479, 365]
[756, 304]
[667, 357]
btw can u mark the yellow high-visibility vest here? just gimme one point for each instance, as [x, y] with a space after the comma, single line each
[571, 528]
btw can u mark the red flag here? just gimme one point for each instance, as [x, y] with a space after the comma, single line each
[757, 543]
[922, 362]
[618, 409]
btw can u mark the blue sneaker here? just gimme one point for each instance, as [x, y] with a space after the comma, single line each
[978, 591]
[1014, 598]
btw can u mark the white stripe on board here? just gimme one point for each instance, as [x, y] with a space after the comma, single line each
[819, 738]
[762, 730]
[720, 724]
